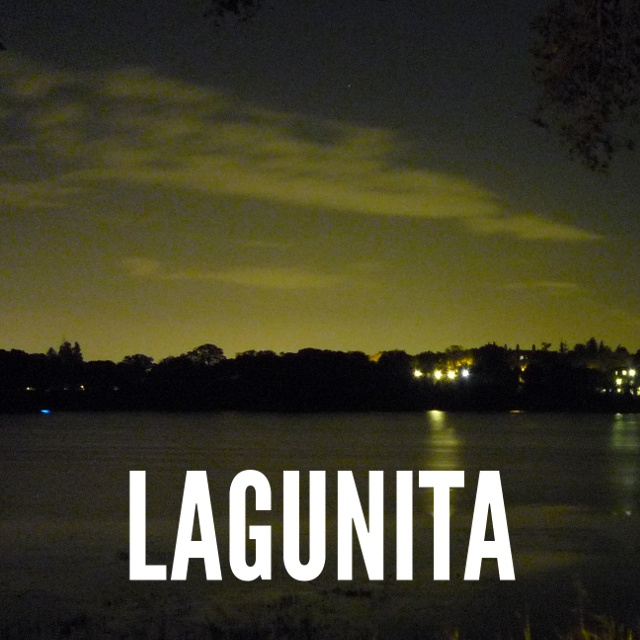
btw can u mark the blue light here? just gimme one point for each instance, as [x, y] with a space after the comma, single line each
[45, 411]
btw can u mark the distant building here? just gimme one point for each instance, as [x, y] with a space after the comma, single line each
[624, 382]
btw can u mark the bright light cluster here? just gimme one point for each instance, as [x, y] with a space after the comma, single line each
[451, 374]
[625, 382]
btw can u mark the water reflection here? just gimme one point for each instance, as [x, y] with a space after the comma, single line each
[443, 452]
[625, 472]
[443, 445]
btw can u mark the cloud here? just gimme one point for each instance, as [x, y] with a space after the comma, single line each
[285, 278]
[529, 227]
[36, 194]
[271, 245]
[278, 278]
[141, 84]
[135, 127]
[554, 287]
[142, 267]
[27, 81]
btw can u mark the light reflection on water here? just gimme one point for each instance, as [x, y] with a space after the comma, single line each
[49, 463]
[443, 444]
[442, 449]
[571, 486]
[625, 463]
[571, 483]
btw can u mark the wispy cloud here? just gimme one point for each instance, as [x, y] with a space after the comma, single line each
[286, 278]
[133, 126]
[27, 81]
[142, 267]
[36, 193]
[279, 278]
[553, 287]
[529, 227]
[139, 84]
[271, 245]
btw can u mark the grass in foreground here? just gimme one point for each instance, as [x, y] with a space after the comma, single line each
[331, 615]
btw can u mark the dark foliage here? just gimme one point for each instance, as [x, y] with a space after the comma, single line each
[242, 10]
[587, 66]
[589, 377]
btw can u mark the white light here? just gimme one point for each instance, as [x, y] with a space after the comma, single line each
[624, 372]
[465, 373]
[619, 381]
[451, 375]
[437, 374]
[417, 373]
[632, 373]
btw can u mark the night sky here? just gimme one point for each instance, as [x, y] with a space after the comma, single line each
[353, 175]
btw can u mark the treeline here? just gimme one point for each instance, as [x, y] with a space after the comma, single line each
[587, 377]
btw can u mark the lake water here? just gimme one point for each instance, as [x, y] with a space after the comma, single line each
[571, 486]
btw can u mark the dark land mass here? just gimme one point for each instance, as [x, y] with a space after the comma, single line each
[588, 377]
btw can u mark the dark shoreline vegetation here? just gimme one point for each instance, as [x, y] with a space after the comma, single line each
[589, 377]
[326, 614]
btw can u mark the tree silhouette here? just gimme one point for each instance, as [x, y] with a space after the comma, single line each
[243, 10]
[587, 68]
[205, 355]
[138, 361]
[70, 354]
